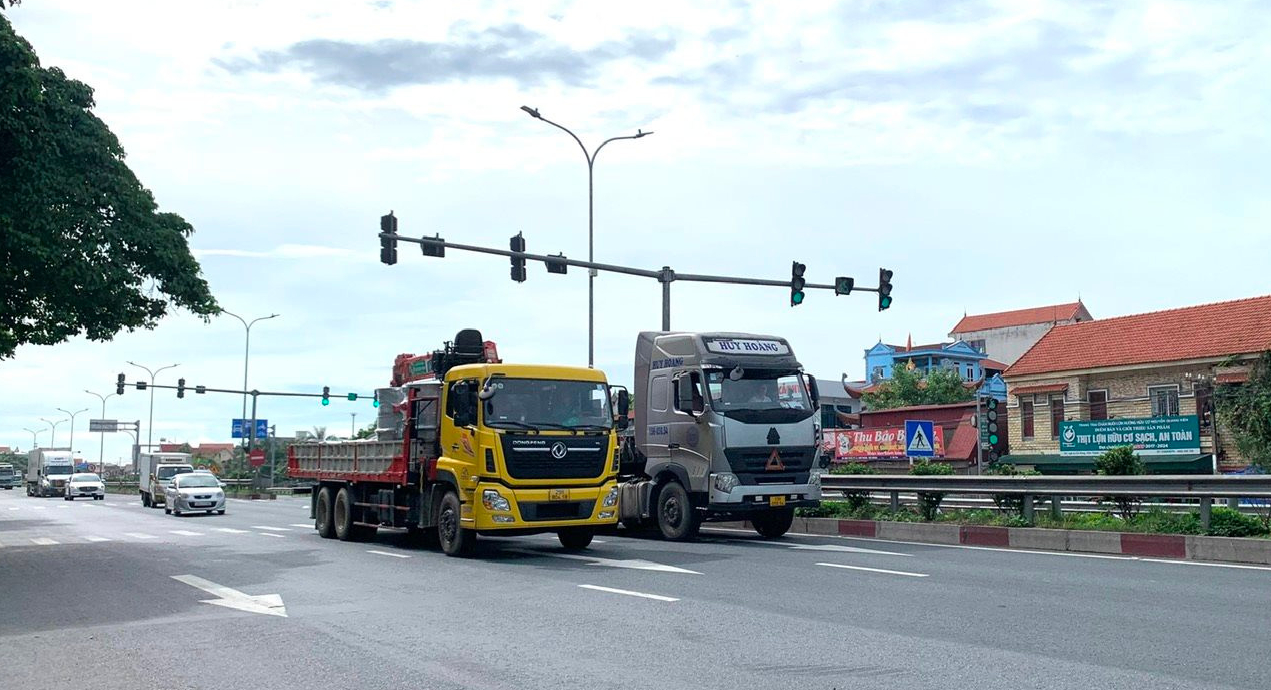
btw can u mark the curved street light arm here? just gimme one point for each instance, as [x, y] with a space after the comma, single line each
[639, 134]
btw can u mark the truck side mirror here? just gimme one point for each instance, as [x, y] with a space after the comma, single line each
[813, 391]
[624, 408]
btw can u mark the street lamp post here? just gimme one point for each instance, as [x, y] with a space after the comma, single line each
[34, 443]
[72, 415]
[352, 425]
[248, 434]
[53, 428]
[150, 423]
[101, 445]
[591, 254]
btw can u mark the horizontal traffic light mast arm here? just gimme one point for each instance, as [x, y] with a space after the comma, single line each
[665, 275]
[286, 394]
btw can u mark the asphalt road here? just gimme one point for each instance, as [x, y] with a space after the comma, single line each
[89, 598]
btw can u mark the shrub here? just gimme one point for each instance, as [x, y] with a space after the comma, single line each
[1164, 522]
[855, 499]
[1121, 461]
[1226, 522]
[929, 501]
[1009, 503]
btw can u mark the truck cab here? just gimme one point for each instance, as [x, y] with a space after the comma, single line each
[48, 470]
[155, 471]
[726, 430]
[8, 478]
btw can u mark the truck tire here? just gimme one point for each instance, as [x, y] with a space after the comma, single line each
[342, 517]
[677, 518]
[324, 522]
[773, 523]
[145, 499]
[575, 538]
[454, 539]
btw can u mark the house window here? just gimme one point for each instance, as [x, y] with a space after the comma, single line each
[829, 417]
[1098, 404]
[1164, 400]
[876, 375]
[977, 345]
[1026, 418]
[970, 372]
[1056, 414]
[1203, 408]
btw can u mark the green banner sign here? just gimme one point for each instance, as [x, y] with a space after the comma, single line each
[1148, 435]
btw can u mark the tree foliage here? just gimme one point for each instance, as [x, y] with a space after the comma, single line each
[1122, 461]
[906, 388]
[929, 501]
[367, 432]
[83, 246]
[1244, 409]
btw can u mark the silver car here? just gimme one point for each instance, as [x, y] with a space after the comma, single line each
[85, 485]
[194, 492]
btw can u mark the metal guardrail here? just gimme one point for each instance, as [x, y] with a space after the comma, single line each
[1178, 485]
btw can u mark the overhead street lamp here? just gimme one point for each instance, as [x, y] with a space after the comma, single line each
[248, 434]
[101, 446]
[150, 423]
[591, 254]
[34, 443]
[53, 428]
[72, 415]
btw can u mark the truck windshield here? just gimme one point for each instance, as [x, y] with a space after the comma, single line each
[548, 404]
[58, 469]
[759, 395]
[170, 472]
[6, 471]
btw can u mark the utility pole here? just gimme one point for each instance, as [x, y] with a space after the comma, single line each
[101, 445]
[150, 423]
[72, 415]
[352, 425]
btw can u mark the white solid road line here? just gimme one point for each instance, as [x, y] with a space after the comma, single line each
[272, 529]
[44, 541]
[185, 533]
[386, 553]
[873, 570]
[1206, 564]
[139, 535]
[230, 530]
[97, 539]
[611, 590]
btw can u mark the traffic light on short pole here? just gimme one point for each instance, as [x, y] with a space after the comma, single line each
[326, 395]
[884, 289]
[518, 262]
[119, 385]
[180, 388]
[388, 245]
[796, 283]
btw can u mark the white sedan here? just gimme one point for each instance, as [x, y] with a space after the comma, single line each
[194, 492]
[85, 485]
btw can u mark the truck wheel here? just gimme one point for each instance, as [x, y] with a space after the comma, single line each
[145, 499]
[773, 523]
[324, 522]
[575, 538]
[454, 539]
[345, 530]
[677, 518]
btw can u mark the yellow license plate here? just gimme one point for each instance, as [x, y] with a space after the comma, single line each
[777, 501]
[558, 494]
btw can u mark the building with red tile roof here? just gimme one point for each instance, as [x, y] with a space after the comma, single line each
[1006, 335]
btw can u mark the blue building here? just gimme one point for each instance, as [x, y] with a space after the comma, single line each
[973, 366]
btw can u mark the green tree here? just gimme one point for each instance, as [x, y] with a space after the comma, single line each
[929, 501]
[1122, 461]
[906, 388]
[83, 246]
[1244, 409]
[368, 432]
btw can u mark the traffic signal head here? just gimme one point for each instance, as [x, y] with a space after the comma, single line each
[352, 396]
[558, 266]
[388, 245]
[375, 401]
[884, 289]
[326, 395]
[437, 248]
[518, 262]
[180, 388]
[796, 283]
[843, 285]
[990, 420]
[119, 385]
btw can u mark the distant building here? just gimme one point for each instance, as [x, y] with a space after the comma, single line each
[978, 370]
[839, 405]
[879, 438]
[1006, 335]
[1145, 380]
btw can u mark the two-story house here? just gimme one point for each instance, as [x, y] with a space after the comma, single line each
[1006, 335]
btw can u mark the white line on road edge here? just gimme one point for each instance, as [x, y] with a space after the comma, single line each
[268, 604]
[139, 535]
[611, 590]
[272, 529]
[97, 539]
[230, 530]
[386, 553]
[298, 524]
[268, 534]
[44, 541]
[1207, 565]
[873, 570]
[1069, 554]
[629, 563]
[186, 533]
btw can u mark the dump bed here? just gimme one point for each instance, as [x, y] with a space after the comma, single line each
[361, 461]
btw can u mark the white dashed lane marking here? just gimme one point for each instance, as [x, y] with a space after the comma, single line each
[186, 533]
[139, 535]
[230, 530]
[44, 541]
[272, 529]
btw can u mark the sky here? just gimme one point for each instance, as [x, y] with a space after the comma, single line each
[994, 155]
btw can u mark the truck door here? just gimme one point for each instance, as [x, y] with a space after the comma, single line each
[458, 435]
[686, 434]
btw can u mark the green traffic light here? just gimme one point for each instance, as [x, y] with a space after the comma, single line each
[326, 401]
[375, 403]
[884, 303]
[796, 298]
[992, 439]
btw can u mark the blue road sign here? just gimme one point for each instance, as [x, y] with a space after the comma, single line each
[918, 438]
[262, 428]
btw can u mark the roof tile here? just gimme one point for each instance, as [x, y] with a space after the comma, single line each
[1018, 317]
[1208, 330]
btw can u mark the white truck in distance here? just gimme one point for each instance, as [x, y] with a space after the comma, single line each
[47, 471]
[155, 470]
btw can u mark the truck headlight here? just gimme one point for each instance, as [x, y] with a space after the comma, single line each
[611, 500]
[492, 500]
[725, 482]
[814, 479]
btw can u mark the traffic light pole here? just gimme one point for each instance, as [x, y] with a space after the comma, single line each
[666, 276]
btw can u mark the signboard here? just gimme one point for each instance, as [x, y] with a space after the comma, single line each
[746, 346]
[918, 438]
[108, 426]
[257, 457]
[262, 428]
[859, 445]
[1150, 435]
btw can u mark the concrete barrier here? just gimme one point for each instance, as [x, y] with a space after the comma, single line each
[1094, 542]
[1038, 539]
[1157, 545]
[927, 532]
[984, 535]
[1229, 549]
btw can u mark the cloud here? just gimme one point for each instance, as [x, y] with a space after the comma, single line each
[284, 251]
[507, 51]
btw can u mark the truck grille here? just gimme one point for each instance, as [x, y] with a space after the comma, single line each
[754, 462]
[556, 510]
[541, 457]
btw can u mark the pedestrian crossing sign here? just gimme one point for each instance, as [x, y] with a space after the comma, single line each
[918, 438]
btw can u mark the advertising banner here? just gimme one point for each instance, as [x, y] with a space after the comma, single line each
[1150, 435]
[859, 445]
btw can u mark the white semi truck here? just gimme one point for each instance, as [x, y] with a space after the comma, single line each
[155, 471]
[725, 429]
[47, 471]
